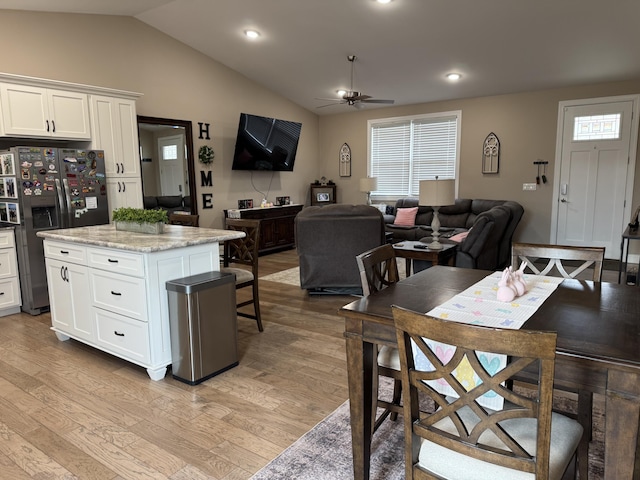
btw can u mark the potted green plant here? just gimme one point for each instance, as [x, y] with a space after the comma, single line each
[139, 220]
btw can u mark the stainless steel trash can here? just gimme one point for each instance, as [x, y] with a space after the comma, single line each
[203, 325]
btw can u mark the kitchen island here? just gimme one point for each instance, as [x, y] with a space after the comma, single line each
[107, 287]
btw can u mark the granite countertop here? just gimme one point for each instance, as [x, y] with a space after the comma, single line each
[174, 236]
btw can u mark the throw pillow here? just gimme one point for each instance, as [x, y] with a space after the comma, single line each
[459, 237]
[406, 216]
[382, 207]
[390, 210]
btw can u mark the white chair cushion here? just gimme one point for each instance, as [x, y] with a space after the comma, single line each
[565, 436]
[241, 274]
[389, 357]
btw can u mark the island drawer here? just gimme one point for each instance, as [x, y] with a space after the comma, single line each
[121, 294]
[122, 336]
[69, 252]
[116, 261]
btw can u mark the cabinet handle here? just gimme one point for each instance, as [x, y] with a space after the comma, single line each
[122, 167]
[1, 293]
[110, 260]
[119, 188]
[53, 123]
[117, 294]
[124, 187]
[47, 125]
[62, 274]
[117, 168]
[66, 274]
[115, 332]
[64, 252]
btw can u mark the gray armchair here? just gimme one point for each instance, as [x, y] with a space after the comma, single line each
[328, 239]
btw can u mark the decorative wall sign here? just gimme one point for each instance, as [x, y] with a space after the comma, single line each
[345, 160]
[491, 154]
[204, 131]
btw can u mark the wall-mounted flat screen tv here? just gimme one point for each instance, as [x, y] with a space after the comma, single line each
[265, 143]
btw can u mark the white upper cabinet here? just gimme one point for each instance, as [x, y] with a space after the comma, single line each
[115, 130]
[30, 111]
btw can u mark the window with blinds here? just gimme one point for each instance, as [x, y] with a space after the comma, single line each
[405, 150]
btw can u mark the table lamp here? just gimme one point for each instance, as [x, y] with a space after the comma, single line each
[368, 185]
[436, 193]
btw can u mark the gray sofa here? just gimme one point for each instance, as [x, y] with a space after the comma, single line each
[170, 203]
[328, 239]
[492, 224]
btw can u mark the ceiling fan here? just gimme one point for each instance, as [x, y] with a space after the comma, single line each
[353, 98]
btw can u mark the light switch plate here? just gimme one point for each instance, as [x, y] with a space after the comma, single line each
[528, 186]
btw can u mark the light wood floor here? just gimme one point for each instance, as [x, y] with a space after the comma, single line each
[67, 410]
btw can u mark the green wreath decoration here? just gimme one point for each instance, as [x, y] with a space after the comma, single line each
[205, 154]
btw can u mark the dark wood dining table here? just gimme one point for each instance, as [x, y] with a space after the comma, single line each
[598, 351]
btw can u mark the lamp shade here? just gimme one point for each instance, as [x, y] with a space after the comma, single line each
[437, 193]
[369, 184]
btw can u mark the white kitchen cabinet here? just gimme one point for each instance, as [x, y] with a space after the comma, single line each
[10, 299]
[125, 299]
[68, 285]
[124, 192]
[31, 111]
[115, 130]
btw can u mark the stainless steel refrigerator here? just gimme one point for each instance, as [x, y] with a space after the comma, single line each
[56, 188]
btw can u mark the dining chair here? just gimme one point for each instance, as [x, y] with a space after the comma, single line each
[379, 269]
[568, 262]
[184, 219]
[463, 439]
[244, 251]
[557, 256]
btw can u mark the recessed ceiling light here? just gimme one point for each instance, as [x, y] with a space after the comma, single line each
[252, 34]
[453, 76]
[384, 1]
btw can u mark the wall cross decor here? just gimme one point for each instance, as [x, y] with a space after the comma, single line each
[491, 154]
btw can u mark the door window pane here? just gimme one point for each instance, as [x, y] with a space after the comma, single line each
[597, 127]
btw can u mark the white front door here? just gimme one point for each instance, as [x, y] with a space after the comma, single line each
[172, 165]
[594, 174]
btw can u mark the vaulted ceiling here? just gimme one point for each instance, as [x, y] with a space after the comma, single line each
[404, 48]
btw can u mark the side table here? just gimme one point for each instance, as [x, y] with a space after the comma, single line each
[627, 236]
[407, 250]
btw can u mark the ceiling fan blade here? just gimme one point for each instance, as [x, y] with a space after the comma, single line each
[330, 104]
[337, 99]
[373, 100]
[360, 97]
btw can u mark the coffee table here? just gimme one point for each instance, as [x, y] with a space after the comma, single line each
[407, 250]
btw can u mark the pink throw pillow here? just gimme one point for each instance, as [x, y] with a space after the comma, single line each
[406, 216]
[459, 237]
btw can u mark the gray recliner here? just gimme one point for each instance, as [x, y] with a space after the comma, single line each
[328, 239]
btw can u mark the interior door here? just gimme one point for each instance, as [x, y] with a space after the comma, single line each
[593, 182]
[172, 165]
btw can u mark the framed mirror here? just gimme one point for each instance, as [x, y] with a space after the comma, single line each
[166, 156]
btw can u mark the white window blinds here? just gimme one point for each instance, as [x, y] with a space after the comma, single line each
[405, 150]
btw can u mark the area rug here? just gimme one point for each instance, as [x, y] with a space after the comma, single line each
[290, 277]
[324, 453]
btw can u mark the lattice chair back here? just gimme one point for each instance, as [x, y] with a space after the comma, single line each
[454, 364]
[568, 261]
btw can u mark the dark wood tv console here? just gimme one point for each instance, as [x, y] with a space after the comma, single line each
[277, 228]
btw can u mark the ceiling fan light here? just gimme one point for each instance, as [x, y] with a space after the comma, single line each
[341, 93]
[454, 77]
[252, 34]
